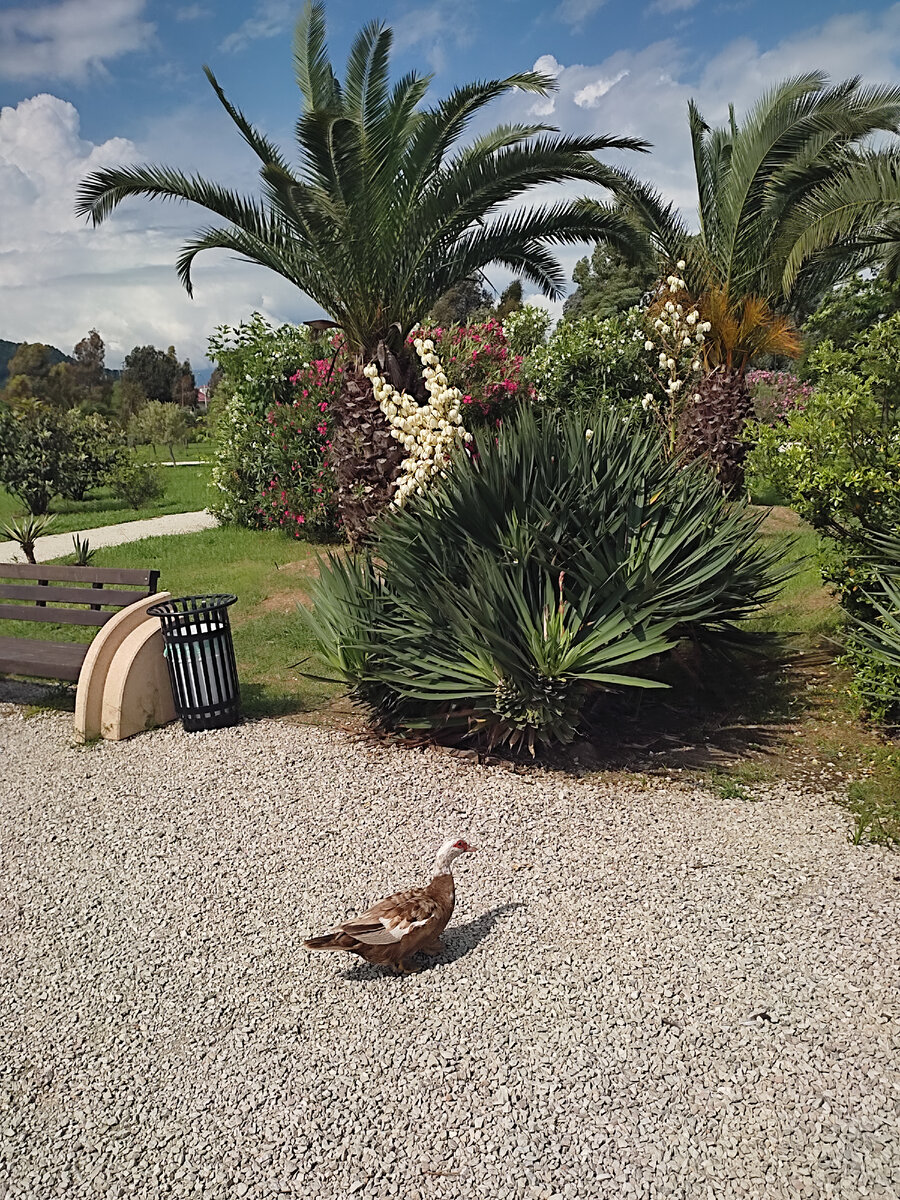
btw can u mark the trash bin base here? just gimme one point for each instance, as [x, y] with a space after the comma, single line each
[220, 719]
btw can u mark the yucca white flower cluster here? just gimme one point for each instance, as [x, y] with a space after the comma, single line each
[677, 336]
[429, 432]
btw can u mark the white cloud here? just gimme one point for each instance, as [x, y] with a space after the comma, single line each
[576, 12]
[656, 82]
[192, 12]
[59, 276]
[592, 93]
[270, 18]
[70, 40]
[672, 6]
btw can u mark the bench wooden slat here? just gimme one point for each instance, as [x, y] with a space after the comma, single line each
[35, 586]
[62, 595]
[45, 660]
[144, 579]
[58, 616]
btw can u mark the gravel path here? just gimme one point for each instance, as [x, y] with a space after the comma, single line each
[646, 992]
[55, 545]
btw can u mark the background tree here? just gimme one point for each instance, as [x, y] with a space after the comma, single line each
[468, 300]
[184, 389]
[850, 310]
[29, 373]
[159, 424]
[510, 299]
[385, 214]
[153, 370]
[128, 398]
[608, 283]
[89, 372]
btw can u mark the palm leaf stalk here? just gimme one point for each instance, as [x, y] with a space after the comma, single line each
[385, 209]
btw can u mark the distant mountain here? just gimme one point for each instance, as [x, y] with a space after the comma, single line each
[8, 349]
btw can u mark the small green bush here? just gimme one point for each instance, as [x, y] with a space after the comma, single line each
[46, 453]
[836, 461]
[556, 562]
[138, 484]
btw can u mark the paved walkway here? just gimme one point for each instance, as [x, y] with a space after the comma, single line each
[55, 545]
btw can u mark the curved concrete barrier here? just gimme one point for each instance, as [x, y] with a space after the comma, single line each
[96, 666]
[137, 694]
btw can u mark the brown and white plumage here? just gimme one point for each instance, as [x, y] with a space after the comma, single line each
[392, 930]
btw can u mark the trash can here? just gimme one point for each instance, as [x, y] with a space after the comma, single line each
[200, 656]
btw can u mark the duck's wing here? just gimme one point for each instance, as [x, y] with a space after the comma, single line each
[389, 921]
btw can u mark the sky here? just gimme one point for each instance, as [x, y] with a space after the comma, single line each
[92, 83]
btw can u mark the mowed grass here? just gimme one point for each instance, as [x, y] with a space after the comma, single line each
[267, 572]
[806, 609]
[187, 490]
[191, 452]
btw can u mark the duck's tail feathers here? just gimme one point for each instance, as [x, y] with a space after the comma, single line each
[336, 940]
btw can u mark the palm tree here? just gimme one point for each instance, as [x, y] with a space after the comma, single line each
[756, 183]
[759, 260]
[385, 211]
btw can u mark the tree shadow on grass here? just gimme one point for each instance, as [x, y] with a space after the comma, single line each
[458, 941]
[719, 710]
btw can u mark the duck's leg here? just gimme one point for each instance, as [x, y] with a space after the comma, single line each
[400, 968]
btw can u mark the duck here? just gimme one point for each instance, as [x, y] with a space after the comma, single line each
[390, 932]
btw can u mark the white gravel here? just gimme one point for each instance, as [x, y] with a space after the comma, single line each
[647, 992]
[55, 545]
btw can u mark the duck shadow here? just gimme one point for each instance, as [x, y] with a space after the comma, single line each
[457, 943]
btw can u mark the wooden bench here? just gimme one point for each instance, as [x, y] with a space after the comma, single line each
[99, 593]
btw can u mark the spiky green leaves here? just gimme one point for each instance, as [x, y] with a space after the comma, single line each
[552, 566]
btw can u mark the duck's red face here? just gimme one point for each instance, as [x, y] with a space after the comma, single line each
[464, 847]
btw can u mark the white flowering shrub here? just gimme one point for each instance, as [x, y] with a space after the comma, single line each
[428, 432]
[589, 361]
[526, 328]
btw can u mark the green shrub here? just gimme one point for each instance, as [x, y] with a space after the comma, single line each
[837, 462]
[46, 453]
[557, 562]
[137, 484]
[526, 328]
[589, 360]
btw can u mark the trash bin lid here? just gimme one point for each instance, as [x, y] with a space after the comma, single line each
[191, 605]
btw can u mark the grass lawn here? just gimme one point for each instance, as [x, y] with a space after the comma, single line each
[192, 452]
[187, 490]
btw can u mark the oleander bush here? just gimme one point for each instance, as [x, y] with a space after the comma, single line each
[559, 561]
[272, 425]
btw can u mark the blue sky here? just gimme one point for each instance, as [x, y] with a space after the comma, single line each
[86, 83]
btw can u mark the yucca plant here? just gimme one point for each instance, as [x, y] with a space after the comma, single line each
[81, 551]
[559, 561]
[384, 212]
[26, 531]
[879, 637]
